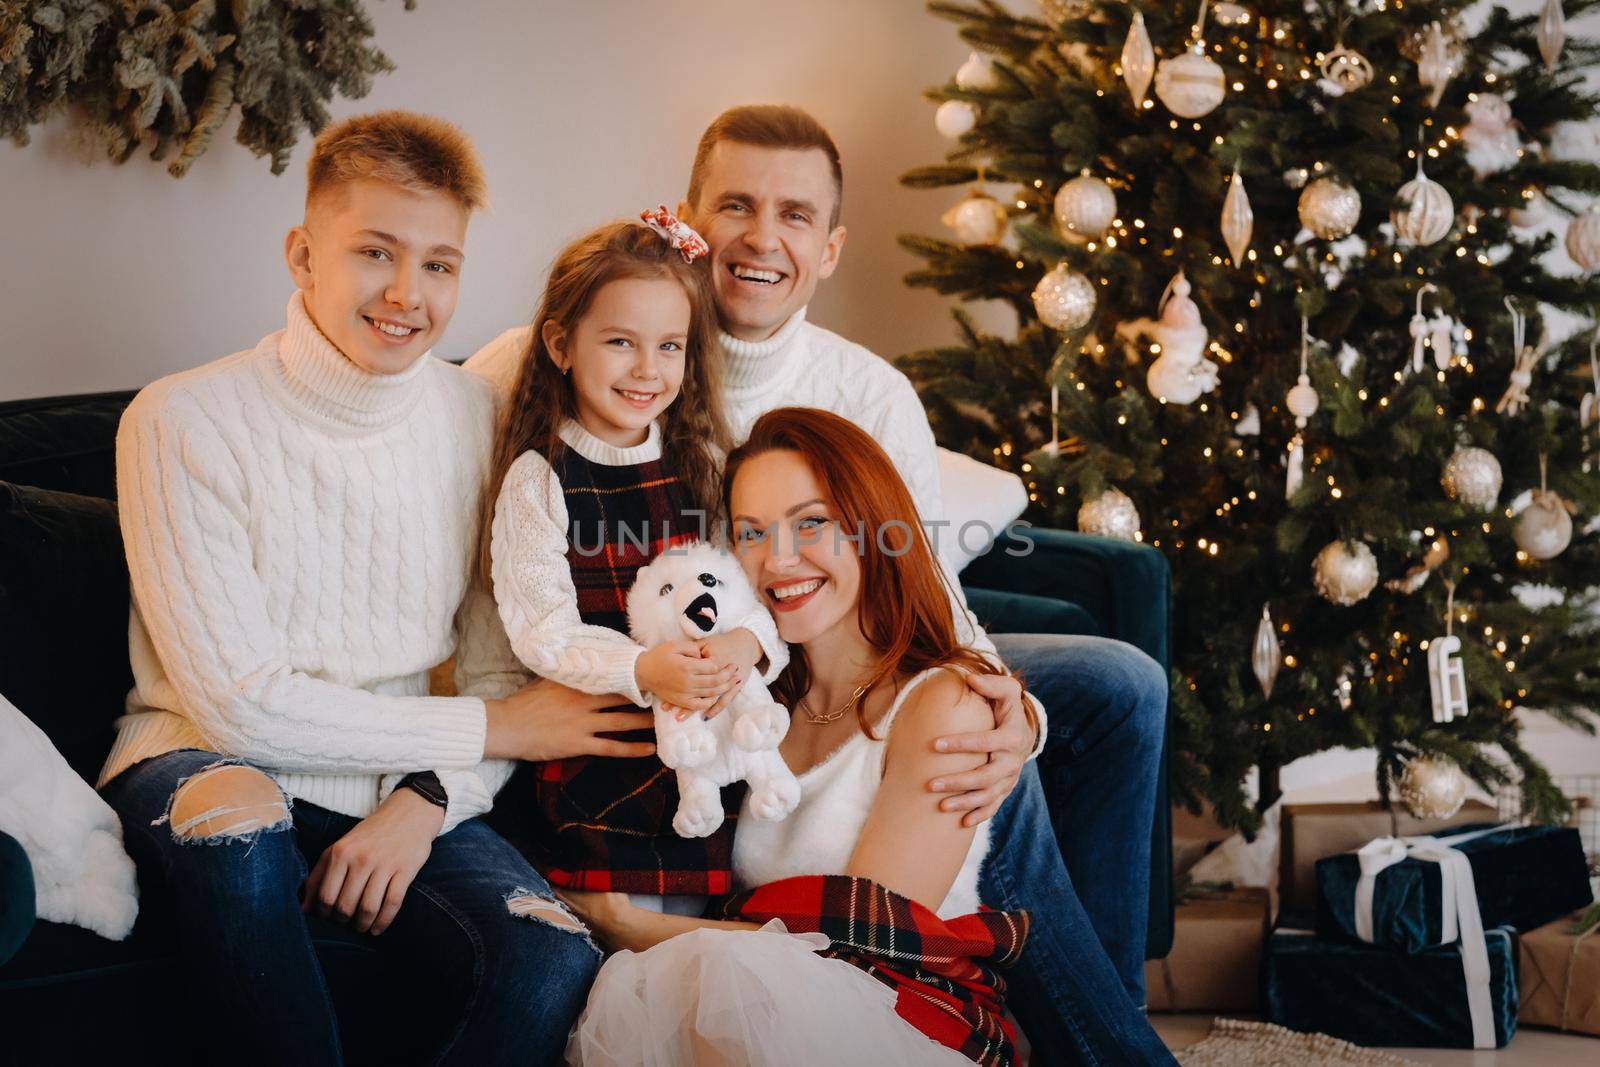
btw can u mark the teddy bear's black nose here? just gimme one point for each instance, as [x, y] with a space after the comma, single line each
[708, 580]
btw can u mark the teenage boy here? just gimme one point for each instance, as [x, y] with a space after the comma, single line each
[298, 520]
[765, 192]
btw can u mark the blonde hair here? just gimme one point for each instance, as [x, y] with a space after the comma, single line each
[767, 126]
[694, 435]
[403, 148]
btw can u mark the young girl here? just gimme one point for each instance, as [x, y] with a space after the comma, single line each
[607, 455]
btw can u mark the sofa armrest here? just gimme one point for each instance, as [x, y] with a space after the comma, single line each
[16, 896]
[1126, 588]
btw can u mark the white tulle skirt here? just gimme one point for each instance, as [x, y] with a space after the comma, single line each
[744, 998]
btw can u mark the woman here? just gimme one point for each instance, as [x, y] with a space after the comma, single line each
[828, 534]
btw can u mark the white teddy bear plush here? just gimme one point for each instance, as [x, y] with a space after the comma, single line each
[695, 592]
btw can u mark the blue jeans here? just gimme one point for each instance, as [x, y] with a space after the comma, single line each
[1079, 988]
[514, 984]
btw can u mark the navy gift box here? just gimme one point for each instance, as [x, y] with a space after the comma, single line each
[1524, 876]
[1377, 996]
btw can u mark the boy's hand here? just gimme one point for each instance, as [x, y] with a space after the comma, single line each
[365, 874]
[738, 649]
[981, 791]
[677, 673]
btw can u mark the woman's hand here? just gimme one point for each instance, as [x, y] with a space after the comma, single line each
[364, 875]
[681, 674]
[605, 914]
[546, 720]
[981, 791]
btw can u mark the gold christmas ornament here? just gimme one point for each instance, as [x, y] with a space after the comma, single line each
[1190, 83]
[1265, 657]
[954, 118]
[1423, 211]
[1552, 34]
[1138, 60]
[1345, 573]
[1583, 239]
[1085, 206]
[977, 220]
[976, 74]
[1472, 476]
[1238, 219]
[1111, 514]
[1432, 787]
[1064, 299]
[1346, 69]
[1330, 209]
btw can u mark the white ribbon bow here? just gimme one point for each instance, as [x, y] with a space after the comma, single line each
[1461, 919]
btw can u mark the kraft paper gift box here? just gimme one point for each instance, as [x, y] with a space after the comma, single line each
[1215, 962]
[1560, 978]
[1381, 997]
[1311, 831]
[1523, 877]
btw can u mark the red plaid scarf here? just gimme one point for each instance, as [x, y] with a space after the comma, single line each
[944, 971]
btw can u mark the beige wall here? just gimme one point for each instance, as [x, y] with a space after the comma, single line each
[112, 276]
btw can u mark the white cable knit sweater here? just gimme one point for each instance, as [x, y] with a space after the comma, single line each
[533, 582]
[298, 534]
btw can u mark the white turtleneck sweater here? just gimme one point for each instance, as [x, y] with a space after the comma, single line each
[804, 365]
[298, 534]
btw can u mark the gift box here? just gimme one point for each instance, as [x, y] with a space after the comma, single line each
[1560, 977]
[1311, 831]
[1524, 877]
[1380, 997]
[1215, 962]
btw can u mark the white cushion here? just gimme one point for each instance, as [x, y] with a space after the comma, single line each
[980, 501]
[73, 839]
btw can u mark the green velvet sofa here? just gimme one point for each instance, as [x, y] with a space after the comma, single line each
[67, 995]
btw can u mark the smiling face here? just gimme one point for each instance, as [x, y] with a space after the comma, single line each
[625, 356]
[379, 268]
[788, 539]
[765, 213]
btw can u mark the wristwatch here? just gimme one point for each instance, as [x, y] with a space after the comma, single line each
[426, 785]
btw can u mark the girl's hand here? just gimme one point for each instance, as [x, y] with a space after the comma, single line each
[738, 649]
[677, 673]
[546, 720]
[605, 914]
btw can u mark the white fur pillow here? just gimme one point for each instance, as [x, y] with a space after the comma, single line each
[980, 501]
[73, 839]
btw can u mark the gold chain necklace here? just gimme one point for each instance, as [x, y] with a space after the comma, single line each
[834, 716]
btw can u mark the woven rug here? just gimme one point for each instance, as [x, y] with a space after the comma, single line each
[1233, 1043]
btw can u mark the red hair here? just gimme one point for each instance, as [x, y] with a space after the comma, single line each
[904, 607]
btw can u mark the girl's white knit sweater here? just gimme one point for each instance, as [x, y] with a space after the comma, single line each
[298, 534]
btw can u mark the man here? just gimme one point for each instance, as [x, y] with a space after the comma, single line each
[765, 191]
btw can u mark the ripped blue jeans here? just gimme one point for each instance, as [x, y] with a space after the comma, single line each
[468, 925]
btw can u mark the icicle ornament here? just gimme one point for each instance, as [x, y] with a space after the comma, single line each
[1138, 60]
[1265, 656]
[1238, 219]
[1552, 34]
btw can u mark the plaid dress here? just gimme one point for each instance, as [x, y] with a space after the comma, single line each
[597, 822]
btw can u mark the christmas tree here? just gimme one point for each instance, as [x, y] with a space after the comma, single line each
[1284, 314]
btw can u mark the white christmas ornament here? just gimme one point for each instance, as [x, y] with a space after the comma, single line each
[954, 118]
[1490, 137]
[1238, 219]
[1181, 372]
[1552, 33]
[1302, 399]
[1423, 211]
[1440, 61]
[1085, 206]
[1472, 476]
[1432, 788]
[1296, 177]
[976, 74]
[1447, 679]
[1138, 60]
[977, 220]
[1526, 357]
[1345, 574]
[1346, 70]
[1190, 83]
[1111, 514]
[1265, 657]
[1064, 299]
[1534, 211]
[1249, 424]
[1544, 528]
[1583, 239]
[1329, 208]
[1226, 14]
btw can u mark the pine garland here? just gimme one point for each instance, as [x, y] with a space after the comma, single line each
[166, 74]
[1213, 497]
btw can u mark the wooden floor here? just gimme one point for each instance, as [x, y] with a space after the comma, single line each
[1529, 1048]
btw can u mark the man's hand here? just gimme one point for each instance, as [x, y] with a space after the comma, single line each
[365, 874]
[981, 791]
[546, 720]
[737, 649]
[684, 674]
